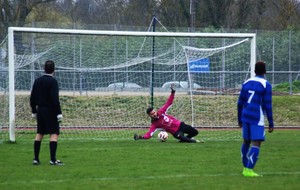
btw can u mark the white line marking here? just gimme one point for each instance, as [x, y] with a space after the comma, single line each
[144, 177]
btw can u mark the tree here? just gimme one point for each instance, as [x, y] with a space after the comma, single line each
[263, 14]
[15, 12]
[174, 13]
[212, 13]
[282, 14]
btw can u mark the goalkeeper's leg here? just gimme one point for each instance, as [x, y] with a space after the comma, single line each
[179, 135]
[189, 130]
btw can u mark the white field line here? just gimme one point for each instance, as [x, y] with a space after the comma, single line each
[145, 177]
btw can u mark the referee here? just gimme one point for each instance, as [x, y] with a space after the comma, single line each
[45, 107]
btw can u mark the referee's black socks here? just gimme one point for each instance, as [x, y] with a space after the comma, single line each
[53, 147]
[37, 147]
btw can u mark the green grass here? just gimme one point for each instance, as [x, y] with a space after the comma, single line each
[285, 87]
[128, 164]
[285, 110]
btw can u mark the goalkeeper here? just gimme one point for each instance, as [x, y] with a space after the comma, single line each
[161, 121]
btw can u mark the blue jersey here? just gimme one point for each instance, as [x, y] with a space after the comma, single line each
[255, 101]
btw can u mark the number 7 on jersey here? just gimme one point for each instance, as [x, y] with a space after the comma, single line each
[251, 96]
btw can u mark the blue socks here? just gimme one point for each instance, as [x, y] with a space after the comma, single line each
[244, 152]
[253, 156]
[249, 157]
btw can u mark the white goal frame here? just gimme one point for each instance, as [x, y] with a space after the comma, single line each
[11, 50]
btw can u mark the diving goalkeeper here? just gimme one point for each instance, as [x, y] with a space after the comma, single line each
[161, 121]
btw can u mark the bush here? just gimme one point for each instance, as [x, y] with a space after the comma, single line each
[285, 87]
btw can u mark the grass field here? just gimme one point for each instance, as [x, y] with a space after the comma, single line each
[128, 164]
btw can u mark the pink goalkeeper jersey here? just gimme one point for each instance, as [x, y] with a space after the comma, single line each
[164, 121]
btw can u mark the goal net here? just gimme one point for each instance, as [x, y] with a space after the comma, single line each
[108, 79]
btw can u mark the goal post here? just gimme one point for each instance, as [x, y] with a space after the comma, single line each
[107, 72]
[11, 81]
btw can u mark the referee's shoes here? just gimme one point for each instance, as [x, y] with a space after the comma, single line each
[56, 163]
[36, 162]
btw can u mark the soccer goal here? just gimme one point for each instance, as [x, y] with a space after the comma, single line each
[107, 79]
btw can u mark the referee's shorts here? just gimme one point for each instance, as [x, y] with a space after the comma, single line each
[47, 121]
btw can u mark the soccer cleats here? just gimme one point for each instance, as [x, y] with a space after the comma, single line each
[57, 163]
[200, 141]
[197, 141]
[191, 140]
[250, 173]
[36, 162]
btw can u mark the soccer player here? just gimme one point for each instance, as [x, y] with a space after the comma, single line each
[45, 107]
[161, 121]
[255, 101]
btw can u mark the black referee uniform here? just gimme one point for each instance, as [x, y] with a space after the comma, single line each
[44, 101]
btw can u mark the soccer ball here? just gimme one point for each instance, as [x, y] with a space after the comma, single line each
[163, 136]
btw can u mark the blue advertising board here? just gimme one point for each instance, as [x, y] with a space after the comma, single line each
[199, 65]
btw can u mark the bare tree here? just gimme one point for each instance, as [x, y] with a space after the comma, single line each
[263, 14]
[175, 13]
[282, 14]
[233, 14]
[14, 13]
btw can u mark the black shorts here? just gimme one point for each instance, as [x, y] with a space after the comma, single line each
[47, 121]
[185, 129]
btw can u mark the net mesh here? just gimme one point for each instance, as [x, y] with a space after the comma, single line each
[106, 82]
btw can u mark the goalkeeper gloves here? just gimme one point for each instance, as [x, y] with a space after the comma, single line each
[59, 118]
[33, 115]
[173, 88]
[137, 137]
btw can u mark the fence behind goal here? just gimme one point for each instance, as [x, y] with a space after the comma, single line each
[107, 79]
